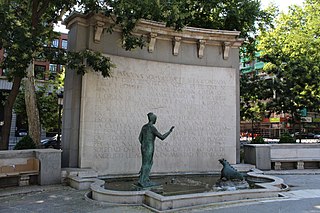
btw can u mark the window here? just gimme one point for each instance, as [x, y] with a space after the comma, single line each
[53, 68]
[64, 44]
[55, 43]
[39, 72]
[53, 71]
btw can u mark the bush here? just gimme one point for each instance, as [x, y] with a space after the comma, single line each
[258, 140]
[286, 138]
[25, 143]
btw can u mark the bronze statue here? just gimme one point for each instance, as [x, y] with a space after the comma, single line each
[228, 172]
[147, 137]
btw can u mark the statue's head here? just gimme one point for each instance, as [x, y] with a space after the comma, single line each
[222, 161]
[152, 118]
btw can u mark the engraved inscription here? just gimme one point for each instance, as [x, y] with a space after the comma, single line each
[199, 101]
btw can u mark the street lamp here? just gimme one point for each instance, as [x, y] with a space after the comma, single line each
[60, 104]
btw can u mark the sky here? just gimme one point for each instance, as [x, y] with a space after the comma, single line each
[282, 4]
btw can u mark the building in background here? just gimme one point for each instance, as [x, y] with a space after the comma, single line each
[251, 67]
[44, 70]
[273, 125]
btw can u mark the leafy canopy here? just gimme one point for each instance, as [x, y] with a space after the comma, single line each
[47, 103]
[27, 30]
[291, 50]
[27, 26]
[241, 15]
[254, 94]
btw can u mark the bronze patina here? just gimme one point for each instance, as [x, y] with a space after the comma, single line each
[147, 137]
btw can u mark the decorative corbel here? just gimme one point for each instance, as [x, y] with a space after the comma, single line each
[176, 45]
[152, 42]
[201, 46]
[225, 50]
[98, 31]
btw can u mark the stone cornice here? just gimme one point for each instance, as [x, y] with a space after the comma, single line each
[154, 31]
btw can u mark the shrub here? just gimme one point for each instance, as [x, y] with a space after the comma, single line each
[258, 140]
[286, 138]
[25, 143]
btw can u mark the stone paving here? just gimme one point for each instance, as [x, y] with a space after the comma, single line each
[304, 196]
[55, 199]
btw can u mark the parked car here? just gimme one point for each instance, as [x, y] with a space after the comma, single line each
[305, 135]
[51, 142]
[21, 132]
[317, 136]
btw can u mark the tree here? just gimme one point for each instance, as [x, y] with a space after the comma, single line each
[46, 96]
[253, 98]
[28, 26]
[291, 50]
[25, 32]
[241, 15]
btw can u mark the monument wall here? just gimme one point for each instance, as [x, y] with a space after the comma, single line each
[188, 79]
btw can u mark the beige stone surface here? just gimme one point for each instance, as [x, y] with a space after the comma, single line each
[198, 100]
[295, 151]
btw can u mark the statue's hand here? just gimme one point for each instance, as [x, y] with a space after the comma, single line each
[171, 128]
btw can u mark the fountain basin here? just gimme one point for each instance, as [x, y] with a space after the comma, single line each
[268, 187]
[178, 184]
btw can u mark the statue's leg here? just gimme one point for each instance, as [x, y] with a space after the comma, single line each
[145, 168]
[148, 169]
[142, 178]
[147, 155]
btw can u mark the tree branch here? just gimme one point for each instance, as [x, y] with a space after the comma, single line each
[43, 8]
[34, 12]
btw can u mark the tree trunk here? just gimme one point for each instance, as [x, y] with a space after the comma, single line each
[8, 107]
[31, 106]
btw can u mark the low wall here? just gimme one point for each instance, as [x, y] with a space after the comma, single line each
[263, 155]
[50, 162]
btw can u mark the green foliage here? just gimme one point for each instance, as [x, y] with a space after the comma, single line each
[258, 140]
[48, 109]
[212, 14]
[3, 97]
[291, 50]
[253, 96]
[241, 15]
[286, 138]
[95, 60]
[25, 143]
[27, 26]
[27, 29]
[47, 103]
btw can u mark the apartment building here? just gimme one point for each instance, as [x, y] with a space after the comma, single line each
[44, 70]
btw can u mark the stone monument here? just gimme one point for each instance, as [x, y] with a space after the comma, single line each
[188, 78]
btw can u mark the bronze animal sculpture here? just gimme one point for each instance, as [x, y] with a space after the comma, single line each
[228, 172]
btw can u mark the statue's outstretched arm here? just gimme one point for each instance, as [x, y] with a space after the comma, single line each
[159, 135]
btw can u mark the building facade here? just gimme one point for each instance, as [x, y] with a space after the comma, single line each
[44, 70]
[273, 125]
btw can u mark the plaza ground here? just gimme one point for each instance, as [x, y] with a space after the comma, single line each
[304, 196]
